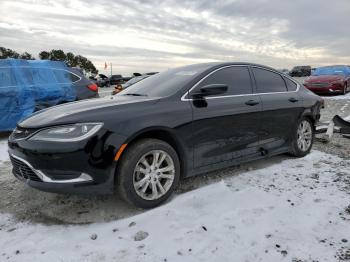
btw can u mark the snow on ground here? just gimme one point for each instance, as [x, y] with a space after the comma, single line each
[289, 211]
[338, 97]
[3, 150]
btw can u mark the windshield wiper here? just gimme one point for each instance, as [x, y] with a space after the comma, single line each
[134, 94]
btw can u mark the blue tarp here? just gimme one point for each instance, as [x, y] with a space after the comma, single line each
[29, 85]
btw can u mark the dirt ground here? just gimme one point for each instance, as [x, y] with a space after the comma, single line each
[27, 204]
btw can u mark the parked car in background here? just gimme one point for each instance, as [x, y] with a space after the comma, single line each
[116, 79]
[176, 124]
[118, 88]
[284, 71]
[102, 80]
[329, 80]
[300, 71]
[28, 86]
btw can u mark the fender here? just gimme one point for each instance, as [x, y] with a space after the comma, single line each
[185, 152]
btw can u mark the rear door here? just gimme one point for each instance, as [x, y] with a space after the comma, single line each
[226, 126]
[281, 107]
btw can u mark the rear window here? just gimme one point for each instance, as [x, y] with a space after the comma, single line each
[65, 77]
[268, 81]
[291, 86]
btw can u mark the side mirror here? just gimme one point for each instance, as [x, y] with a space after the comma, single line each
[210, 90]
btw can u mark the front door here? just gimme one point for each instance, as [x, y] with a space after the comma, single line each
[226, 126]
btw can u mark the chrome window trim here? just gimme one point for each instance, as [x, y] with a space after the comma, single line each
[69, 73]
[183, 98]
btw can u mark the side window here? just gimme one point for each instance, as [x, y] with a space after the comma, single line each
[43, 76]
[291, 86]
[62, 76]
[73, 77]
[236, 77]
[6, 77]
[268, 82]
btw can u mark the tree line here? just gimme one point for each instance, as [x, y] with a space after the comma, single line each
[69, 58]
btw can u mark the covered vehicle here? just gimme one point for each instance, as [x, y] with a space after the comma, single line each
[329, 79]
[26, 86]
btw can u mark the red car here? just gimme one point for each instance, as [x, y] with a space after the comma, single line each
[329, 80]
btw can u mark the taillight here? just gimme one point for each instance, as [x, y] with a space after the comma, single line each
[93, 87]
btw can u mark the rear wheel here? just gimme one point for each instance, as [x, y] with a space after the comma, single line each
[303, 138]
[148, 173]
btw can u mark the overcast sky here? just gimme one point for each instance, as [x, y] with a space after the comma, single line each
[144, 35]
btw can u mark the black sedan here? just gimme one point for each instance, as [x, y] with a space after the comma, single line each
[175, 124]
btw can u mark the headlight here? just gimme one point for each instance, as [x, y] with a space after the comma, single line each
[68, 133]
[339, 81]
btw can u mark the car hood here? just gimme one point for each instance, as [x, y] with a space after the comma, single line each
[90, 110]
[323, 78]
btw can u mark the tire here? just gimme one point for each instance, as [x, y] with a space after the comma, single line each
[133, 171]
[298, 148]
[345, 89]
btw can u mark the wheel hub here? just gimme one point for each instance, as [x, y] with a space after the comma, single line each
[304, 134]
[153, 175]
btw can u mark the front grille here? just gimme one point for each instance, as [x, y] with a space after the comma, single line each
[22, 170]
[319, 84]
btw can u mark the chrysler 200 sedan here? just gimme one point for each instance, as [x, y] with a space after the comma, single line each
[172, 125]
[329, 80]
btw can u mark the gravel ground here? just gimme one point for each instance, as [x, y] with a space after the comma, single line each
[27, 204]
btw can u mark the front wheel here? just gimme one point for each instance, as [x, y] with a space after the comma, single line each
[346, 88]
[303, 138]
[148, 173]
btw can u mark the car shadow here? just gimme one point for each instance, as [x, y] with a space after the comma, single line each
[30, 205]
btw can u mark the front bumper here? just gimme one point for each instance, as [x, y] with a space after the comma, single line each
[76, 167]
[325, 90]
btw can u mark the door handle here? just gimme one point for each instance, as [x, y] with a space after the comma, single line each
[293, 100]
[252, 103]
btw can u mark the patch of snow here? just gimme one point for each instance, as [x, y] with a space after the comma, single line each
[289, 210]
[338, 97]
[3, 150]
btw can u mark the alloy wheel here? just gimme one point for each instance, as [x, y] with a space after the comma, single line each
[154, 175]
[304, 134]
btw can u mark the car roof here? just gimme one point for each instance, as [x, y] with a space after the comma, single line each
[222, 64]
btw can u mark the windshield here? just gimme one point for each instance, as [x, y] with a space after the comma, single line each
[134, 80]
[166, 83]
[330, 71]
